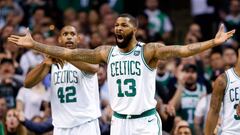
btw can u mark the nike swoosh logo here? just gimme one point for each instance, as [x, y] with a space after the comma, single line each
[232, 81]
[113, 55]
[150, 120]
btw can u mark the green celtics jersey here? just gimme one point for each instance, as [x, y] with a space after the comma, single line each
[189, 102]
[131, 81]
[74, 96]
[230, 120]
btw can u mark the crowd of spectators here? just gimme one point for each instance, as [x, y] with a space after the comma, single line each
[183, 86]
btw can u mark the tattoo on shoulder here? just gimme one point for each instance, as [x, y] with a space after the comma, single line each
[218, 92]
[221, 81]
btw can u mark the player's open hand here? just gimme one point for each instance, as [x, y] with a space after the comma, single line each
[22, 41]
[222, 36]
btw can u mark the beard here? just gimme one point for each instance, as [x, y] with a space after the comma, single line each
[125, 41]
[189, 84]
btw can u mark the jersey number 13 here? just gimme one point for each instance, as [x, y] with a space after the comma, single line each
[131, 92]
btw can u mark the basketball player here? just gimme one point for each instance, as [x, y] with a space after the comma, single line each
[74, 90]
[226, 89]
[131, 72]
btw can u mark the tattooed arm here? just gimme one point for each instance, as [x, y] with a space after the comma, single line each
[215, 105]
[165, 52]
[94, 56]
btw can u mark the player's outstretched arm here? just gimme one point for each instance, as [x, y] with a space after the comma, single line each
[86, 67]
[215, 105]
[190, 49]
[38, 73]
[94, 56]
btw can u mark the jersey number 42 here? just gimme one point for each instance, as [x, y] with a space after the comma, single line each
[67, 95]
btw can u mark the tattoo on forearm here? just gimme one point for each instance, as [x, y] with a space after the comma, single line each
[86, 55]
[181, 51]
[89, 57]
[199, 47]
[40, 47]
[194, 48]
[174, 52]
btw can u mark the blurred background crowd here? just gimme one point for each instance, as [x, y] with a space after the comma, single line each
[183, 86]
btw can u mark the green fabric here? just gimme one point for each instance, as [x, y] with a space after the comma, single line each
[188, 115]
[164, 82]
[1, 129]
[161, 17]
[144, 114]
[118, 7]
[232, 24]
[75, 4]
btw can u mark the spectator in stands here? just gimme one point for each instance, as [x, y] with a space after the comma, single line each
[229, 57]
[203, 15]
[200, 115]
[13, 125]
[69, 16]
[3, 108]
[109, 21]
[13, 52]
[182, 128]
[7, 6]
[103, 87]
[232, 20]
[31, 58]
[35, 21]
[6, 31]
[9, 86]
[36, 127]
[30, 101]
[188, 93]
[159, 22]
[216, 61]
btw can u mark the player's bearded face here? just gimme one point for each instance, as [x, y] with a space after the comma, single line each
[123, 40]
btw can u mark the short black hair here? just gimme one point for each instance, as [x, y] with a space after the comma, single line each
[37, 33]
[133, 20]
[38, 8]
[6, 60]
[227, 47]
[187, 68]
[216, 51]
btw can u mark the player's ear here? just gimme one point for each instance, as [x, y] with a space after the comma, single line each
[59, 40]
[78, 38]
[238, 55]
[135, 29]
